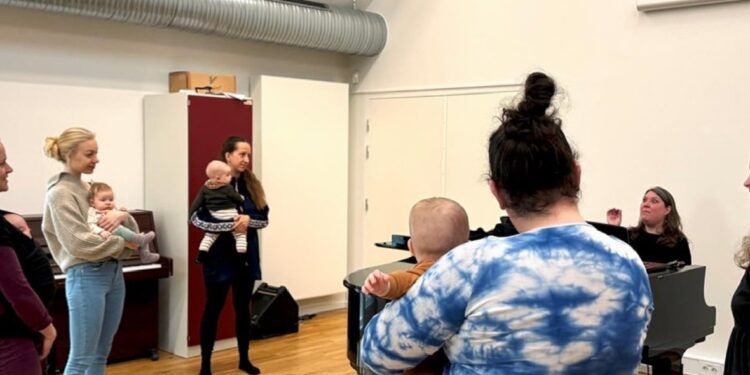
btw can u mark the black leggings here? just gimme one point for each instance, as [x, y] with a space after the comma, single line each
[216, 295]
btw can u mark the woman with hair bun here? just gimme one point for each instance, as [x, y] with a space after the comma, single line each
[559, 297]
[94, 285]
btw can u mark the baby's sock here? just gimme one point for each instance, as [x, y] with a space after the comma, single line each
[143, 238]
[146, 255]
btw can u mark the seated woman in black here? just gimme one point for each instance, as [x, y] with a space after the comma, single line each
[658, 236]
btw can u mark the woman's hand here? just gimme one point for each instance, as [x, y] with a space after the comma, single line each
[49, 333]
[240, 224]
[111, 220]
[614, 216]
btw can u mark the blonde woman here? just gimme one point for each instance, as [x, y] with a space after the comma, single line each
[94, 284]
[738, 353]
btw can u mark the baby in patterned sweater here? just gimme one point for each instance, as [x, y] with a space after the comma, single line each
[221, 199]
[436, 226]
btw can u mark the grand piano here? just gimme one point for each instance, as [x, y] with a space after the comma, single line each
[138, 335]
[680, 319]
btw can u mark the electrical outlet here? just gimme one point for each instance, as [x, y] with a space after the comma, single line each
[709, 369]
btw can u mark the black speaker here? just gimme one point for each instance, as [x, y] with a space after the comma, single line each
[274, 311]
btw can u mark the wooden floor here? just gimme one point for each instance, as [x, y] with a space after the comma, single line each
[318, 348]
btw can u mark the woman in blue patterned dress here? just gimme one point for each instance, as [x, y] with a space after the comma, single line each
[560, 297]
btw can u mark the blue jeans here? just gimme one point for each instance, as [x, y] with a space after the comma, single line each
[96, 296]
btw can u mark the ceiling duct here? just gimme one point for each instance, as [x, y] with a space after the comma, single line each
[293, 23]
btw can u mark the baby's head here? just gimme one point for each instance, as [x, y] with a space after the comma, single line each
[219, 172]
[19, 223]
[101, 196]
[436, 225]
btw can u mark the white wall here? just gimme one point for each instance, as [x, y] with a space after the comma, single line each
[303, 162]
[58, 71]
[32, 111]
[653, 99]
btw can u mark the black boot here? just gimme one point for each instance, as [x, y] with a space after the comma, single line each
[248, 367]
[205, 364]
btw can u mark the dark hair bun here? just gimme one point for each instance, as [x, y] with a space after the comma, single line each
[537, 96]
[530, 159]
[529, 119]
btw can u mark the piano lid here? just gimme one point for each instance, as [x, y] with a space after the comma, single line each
[681, 317]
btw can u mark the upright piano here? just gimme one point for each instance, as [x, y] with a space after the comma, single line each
[680, 319]
[138, 335]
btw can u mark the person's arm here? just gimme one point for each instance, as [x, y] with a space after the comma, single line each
[19, 294]
[49, 334]
[253, 219]
[683, 251]
[207, 224]
[418, 324]
[258, 218]
[402, 281]
[197, 203]
[614, 216]
[70, 228]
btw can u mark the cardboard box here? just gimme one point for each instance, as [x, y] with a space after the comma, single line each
[192, 80]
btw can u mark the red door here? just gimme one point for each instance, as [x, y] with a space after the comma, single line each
[210, 122]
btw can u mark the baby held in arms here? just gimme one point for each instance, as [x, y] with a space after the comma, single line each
[18, 222]
[101, 200]
[436, 226]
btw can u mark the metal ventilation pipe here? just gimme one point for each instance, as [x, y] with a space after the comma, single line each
[291, 23]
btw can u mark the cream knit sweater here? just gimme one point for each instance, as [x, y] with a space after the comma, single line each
[68, 236]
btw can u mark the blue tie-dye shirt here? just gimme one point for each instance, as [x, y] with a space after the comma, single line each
[556, 300]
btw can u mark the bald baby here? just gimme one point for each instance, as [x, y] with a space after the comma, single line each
[436, 225]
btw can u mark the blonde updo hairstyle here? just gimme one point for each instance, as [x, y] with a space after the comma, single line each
[60, 148]
[742, 257]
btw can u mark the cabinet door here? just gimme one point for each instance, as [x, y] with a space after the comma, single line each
[471, 119]
[210, 122]
[406, 153]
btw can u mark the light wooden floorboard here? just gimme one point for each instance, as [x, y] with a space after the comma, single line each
[318, 348]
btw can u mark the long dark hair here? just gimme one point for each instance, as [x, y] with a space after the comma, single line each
[251, 181]
[531, 161]
[672, 228]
